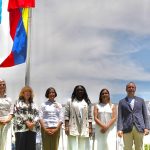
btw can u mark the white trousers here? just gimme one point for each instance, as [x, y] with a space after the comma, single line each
[5, 137]
[78, 143]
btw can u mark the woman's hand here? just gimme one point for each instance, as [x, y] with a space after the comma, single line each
[90, 131]
[67, 127]
[30, 124]
[104, 129]
[51, 131]
[4, 121]
[67, 130]
[46, 130]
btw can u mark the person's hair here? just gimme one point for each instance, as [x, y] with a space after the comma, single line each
[85, 96]
[1, 80]
[48, 90]
[100, 95]
[130, 83]
[24, 89]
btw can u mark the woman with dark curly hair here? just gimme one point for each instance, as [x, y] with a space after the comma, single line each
[26, 118]
[105, 117]
[51, 119]
[78, 119]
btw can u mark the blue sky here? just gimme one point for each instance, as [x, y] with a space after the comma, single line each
[98, 43]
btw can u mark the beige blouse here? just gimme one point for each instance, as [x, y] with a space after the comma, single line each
[5, 107]
[79, 115]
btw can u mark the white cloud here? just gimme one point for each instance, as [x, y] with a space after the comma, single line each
[73, 43]
[113, 14]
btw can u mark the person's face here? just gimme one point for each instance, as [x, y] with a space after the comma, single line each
[51, 94]
[27, 94]
[80, 93]
[105, 96]
[2, 87]
[131, 88]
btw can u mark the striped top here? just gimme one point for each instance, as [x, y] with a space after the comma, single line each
[51, 113]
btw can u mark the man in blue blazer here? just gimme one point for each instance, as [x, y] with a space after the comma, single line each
[132, 122]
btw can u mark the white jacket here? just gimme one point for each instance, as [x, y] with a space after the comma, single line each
[79, 115]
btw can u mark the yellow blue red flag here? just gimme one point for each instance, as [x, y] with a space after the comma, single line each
[18, 18]
[0, 10]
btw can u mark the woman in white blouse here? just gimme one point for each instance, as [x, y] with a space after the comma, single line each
[5, 118]
[51, 119]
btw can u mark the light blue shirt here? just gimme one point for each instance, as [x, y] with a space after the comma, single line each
[131, 101]
[51, 113]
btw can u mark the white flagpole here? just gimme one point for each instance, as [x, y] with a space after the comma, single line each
[27, 75]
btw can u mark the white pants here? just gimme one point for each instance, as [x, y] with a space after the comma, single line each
[78, 143]
[5, 137]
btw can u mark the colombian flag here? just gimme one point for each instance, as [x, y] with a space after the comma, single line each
[18, 18]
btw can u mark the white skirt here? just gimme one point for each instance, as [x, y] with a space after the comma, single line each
[5, 136]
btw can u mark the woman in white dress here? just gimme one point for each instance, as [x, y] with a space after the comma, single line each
[6, 114]
[105, 117]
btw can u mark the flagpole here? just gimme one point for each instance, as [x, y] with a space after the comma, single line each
[27, 75]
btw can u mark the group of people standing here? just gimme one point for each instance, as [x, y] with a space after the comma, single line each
[132, 122]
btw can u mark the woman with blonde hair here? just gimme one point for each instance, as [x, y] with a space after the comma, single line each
[6, 115]
[105, 117]
[26, 118]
